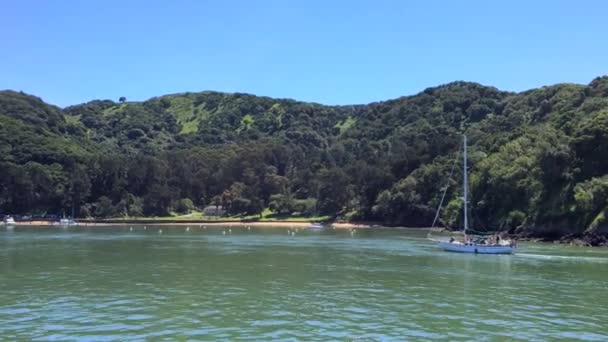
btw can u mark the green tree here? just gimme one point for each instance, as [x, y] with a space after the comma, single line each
[184, 206]
[104, 207]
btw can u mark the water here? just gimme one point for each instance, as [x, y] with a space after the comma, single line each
[108, 284]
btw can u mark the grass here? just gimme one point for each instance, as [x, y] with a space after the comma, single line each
[346, 124]
[73, 119]
[267, 216]
[111, 111]
[186, 114]
[246, 122]
[189, 127]
[183, 110]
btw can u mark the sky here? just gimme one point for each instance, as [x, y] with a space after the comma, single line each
[331, 52]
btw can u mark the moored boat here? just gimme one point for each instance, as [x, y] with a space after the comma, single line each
[8, 220]
[64, 222]
[316, 226]
[473, 243]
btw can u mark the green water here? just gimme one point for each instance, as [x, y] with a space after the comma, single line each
[107, 284]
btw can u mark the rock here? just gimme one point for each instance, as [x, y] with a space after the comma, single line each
[595, 240]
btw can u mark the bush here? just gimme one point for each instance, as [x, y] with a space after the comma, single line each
[281, 204]
[135, 133]
[184, 206]
[136, 207]
[306, 207]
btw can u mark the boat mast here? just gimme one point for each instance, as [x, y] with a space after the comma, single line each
[466, 186]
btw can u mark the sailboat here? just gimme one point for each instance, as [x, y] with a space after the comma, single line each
[472, 243]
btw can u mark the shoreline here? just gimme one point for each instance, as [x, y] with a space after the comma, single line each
[573, 240]
[243, 224]
[218, 223]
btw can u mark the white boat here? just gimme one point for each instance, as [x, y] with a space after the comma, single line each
[316, 226]
[471, 244]
[8, 220]
[66, 222]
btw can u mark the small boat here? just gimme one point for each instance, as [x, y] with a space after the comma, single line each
[64, 222]
[316, 226]
[8, 220]
[473, 243]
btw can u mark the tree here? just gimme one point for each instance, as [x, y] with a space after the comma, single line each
[281, 204]
[135, 206]
[537, 158]
[104, 207]
[402, 203]
[591, 198]
[184, 206]
[334, 191]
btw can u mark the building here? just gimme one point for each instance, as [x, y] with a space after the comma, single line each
[213, 210]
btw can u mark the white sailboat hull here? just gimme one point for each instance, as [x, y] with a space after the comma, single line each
[476, 248]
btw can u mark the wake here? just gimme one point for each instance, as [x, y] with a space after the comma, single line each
[563, 257]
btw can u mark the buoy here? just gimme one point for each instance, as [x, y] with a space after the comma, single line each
[160, 231]
[230, 230]
[223, 232]
[131, 229]
[145, 228]
[187, 229]
[248, 227]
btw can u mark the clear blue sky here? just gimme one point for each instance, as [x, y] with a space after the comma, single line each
[332, 52]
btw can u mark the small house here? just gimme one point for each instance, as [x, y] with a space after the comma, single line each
[214, 210]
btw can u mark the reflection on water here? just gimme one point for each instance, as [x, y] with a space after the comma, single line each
[120, 283]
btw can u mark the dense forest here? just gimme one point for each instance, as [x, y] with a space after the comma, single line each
[539, 158]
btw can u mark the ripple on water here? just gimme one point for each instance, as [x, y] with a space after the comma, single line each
[313, 287]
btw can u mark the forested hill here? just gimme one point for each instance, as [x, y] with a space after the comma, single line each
[539, 159]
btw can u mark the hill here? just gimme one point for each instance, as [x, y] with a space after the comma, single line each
[539, 158]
